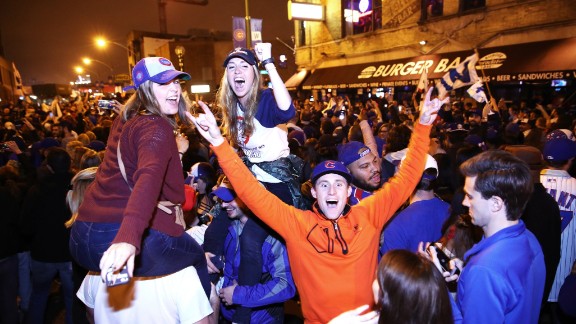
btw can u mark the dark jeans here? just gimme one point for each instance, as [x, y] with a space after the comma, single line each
[160, 254]
[9, 289]
[43, 273]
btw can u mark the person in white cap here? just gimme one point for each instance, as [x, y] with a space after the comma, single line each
[131, 217]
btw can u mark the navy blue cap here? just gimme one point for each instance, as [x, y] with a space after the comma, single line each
[352, 151]
[97, 145]
[330, 166]
[243, 53]
[559, 149]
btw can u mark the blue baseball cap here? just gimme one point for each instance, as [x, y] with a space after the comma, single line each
[97, 145]
[243, 53]
[155, 69]
[352, 151]
[330, 166]
[559, 149]
[224, 193]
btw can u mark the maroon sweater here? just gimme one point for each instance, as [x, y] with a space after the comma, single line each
[154, 172]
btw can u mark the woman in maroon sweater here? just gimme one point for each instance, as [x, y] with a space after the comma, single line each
[121, 220]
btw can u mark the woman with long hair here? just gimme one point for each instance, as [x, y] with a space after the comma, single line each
[131, 215]
[411, 290]
[254, 119]
[408, 289]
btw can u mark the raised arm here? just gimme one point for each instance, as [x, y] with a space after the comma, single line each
[264, 54]
[368, 137]
[399, 187]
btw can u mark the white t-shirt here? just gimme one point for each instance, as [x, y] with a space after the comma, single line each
[264, 145]
[176, 298]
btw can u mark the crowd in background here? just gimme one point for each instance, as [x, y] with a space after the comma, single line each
[43, 145]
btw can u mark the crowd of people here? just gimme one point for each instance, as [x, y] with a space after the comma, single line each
[159, 208]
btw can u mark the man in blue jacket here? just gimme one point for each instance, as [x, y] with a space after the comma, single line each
[503, 276]
[276, 284]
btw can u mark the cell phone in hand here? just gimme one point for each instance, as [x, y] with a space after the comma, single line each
[217, 261]
[105, 104]
[444, 260]
[115, 278]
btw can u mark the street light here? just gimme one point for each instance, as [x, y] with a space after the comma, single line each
[80, 70]
[102, 42]
[88, 61]
[180, 50]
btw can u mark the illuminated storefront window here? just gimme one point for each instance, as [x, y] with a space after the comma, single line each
[361, 16]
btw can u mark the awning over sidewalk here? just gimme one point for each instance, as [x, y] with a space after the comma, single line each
[296, 79]
[548, 60]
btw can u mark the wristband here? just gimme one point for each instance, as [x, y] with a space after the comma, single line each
[266, 61]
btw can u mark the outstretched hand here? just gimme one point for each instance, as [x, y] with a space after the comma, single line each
[206, 125]
[431, 107]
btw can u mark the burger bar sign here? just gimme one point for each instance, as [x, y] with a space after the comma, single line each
[399, 73]
[535, 62]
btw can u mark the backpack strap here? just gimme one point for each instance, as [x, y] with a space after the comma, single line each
[162, 205]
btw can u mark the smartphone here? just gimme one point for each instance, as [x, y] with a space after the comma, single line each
[115, 278]
[105, 104]
[444, 260]
[217, 261]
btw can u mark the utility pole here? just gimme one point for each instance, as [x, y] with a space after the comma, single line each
[248, 26]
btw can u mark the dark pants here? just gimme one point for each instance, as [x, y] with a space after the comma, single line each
[253, 235]
[43, 273]
[9, 289]
[160, 254]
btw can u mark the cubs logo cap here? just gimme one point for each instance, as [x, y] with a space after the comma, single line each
[156, 69]
[243, 53]
[330, 166]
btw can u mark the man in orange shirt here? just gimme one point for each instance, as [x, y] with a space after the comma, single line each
[333, 248]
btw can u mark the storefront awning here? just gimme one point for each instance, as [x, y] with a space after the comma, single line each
[548, 60]
[296, 79]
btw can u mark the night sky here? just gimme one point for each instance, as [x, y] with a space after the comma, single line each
[47, 38]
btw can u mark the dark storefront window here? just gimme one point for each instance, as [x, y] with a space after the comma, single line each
[434, 8]
[361, 16]
[466, 5]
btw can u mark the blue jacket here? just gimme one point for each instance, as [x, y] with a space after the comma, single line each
[277, 286]
[503, 279]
